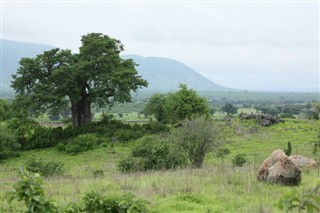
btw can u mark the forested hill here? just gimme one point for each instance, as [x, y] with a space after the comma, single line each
[12, 52]
[164, 74]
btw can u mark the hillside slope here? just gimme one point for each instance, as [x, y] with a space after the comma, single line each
[164, 74]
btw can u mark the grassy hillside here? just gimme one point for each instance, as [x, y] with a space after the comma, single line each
[217, 187]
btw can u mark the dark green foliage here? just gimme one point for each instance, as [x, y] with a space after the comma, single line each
[288, 150]
[43, 137]
[98, 173]
[197, 137]
[8, 143]
[132, 164]
[33, 136]
[221, 153]
[174, 107]
[126, 135]
[239, 160]
[6, 111]
[154, 127]
[94, 202]
[45, 168]
[157, 106]
[29, 190]
[81, 143]
[23, 129]
[61, 147]
[152, 154]
[229, 109]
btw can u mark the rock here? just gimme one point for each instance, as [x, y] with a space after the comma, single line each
[279, 169]
[284, 172]
[270, 161]
[263, 120]
[303, 162]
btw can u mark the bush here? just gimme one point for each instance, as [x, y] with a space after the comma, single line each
[154, 127]
[98, 173]
[127, 135]
[29, 190]
[131, 164]
[82, 143]
[152, 154]
[95, 202]
[46, 169]
[239, 160]
[8, 143]
[221, 153]
[6, 111]
[24, 130]
[43, 137]
[61, 147]
[198, 137]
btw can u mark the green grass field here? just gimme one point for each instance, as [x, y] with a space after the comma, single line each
[217, 187]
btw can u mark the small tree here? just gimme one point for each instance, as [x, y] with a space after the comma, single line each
[229, 109]
[197, 137]
[175, 107]
[156, 106]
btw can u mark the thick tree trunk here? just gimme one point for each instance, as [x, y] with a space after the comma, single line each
[81, 112]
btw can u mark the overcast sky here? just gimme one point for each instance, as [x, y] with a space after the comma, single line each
[266, 46]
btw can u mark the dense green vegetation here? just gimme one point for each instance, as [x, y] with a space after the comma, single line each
[181, 151]
[217, 186]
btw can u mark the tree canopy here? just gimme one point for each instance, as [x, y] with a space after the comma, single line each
[175, 107]
[229, 109]
[59, 78]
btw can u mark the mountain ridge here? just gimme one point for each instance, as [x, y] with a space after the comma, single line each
[157, 69]
[163, 74]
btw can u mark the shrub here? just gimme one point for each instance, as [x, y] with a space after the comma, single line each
[289, 149]
[8, 143]
[45, 168]
[82, 143]
[197, 137]
[239, 160]
[43, 137]
[127, 135]
[29, 190]
[154, 127]
[23, 129]
[131, 164]
[221, 153]
[95, 202]
[6, 111]
[153, 154]
[98, 173]
[61, 147]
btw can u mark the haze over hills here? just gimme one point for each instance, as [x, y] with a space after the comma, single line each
[12, 52]
[163, 74]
